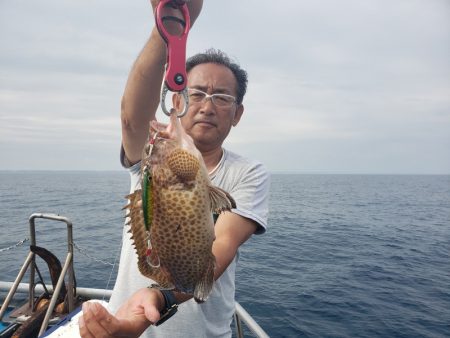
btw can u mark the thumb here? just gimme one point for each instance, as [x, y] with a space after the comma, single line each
[152, 313]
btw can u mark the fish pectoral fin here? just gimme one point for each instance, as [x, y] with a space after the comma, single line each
[205, 285]
[220, 200]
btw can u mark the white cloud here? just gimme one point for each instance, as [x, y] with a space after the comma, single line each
[339, 86]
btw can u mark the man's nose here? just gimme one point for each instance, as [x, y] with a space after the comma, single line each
[207, 105]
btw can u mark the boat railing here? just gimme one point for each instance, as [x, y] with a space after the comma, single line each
[30, 260]
[241, 316]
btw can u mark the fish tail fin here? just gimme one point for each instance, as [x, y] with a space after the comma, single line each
[220, 200]
[205, 285]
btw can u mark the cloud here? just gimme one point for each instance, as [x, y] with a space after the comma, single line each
[344, 86]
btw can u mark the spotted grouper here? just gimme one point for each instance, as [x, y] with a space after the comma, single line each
[171, 216]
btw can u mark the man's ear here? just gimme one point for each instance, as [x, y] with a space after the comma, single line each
[178, 102]
[238, 114]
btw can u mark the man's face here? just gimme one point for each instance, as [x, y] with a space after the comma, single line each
[206, 123]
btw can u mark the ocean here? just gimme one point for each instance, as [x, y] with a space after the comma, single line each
[343, 256]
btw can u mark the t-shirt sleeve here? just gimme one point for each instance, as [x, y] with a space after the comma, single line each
[134, 170]
[252, 195]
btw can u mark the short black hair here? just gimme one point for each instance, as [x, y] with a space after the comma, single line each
[217, 56]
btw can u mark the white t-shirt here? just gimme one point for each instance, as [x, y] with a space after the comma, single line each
[248, 183]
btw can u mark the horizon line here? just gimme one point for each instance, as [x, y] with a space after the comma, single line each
[272, 172]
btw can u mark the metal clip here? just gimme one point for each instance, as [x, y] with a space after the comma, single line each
[175, 78]
[151, 254]
[185, 96]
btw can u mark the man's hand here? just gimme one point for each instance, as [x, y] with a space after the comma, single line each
[133, 318]
[194, 6]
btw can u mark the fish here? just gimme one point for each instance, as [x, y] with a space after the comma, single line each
[171, 216]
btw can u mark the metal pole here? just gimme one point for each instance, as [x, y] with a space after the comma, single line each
[71, 270]
[237, 321]
[13, 289]
[84, 292]
[55, 294]
[33, 263]
[250, 322]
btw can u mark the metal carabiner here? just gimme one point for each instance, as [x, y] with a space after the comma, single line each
[175, 77]
[185, 96]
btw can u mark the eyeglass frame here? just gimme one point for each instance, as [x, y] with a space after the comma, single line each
[211, 97]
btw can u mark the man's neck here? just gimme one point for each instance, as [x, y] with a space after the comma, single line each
[212, 158]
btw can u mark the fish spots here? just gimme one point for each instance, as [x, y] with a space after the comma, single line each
[182, 229]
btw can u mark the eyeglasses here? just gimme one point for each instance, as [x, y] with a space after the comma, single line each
[219, 100]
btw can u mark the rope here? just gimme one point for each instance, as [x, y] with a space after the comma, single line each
[85, 253]
[81, 251]
[19, 243]
[76, 246]
[113, 265]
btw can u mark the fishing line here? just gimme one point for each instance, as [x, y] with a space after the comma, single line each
[113, 268]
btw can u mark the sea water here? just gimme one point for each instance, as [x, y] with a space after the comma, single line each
[343, 256]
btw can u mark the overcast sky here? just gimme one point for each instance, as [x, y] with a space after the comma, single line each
[343, 86]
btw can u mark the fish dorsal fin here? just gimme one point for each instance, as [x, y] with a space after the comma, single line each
[139, 239]
[220, 200]
[183, 164]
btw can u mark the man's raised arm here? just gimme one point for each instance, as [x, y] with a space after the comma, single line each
[142, 92]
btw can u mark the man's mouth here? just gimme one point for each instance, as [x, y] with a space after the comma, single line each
[205, 122]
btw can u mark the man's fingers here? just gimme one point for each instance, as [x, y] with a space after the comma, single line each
[96, 321]
[84, 331]
[107, 325]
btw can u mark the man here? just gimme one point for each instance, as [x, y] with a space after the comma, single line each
[208, 121]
